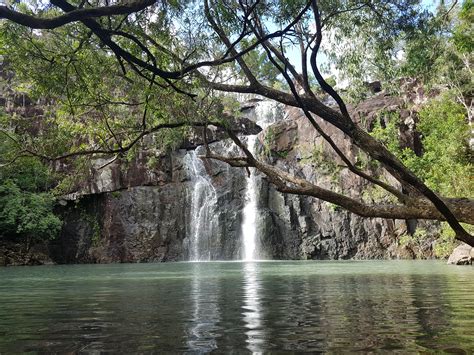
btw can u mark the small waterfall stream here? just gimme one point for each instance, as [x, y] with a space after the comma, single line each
[203, 201]
[265, 114]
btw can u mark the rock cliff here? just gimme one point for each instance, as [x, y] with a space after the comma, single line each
[144, 210]
[137, 212]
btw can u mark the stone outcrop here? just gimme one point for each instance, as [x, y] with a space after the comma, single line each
[141, 212]
[300, 227]
[148, 223]
[140, 224]
[462, 255]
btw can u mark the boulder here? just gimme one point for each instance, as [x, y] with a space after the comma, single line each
[462, 255]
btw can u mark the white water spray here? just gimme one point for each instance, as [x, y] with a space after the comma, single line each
[203, 205]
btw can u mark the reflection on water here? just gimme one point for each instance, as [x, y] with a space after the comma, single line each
[205, 311]
[252, 308]
[256, 307]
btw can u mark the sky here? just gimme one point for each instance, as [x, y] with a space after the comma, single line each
[293, 54]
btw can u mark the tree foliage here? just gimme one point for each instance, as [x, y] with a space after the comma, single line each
[26, 208]
[445, 163]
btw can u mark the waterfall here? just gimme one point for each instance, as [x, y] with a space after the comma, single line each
[203, 209]
[265, 114]
[203, 230]
[249, 221]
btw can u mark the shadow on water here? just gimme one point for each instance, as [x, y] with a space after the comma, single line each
[254, 307]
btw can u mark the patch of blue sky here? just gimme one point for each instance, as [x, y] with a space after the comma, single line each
[293, 51]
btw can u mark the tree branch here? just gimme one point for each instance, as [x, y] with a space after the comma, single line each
[79, 14]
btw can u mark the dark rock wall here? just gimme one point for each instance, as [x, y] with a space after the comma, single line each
[140, 224]
[138, 213]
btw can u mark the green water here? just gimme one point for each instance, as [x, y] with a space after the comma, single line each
[243, 307]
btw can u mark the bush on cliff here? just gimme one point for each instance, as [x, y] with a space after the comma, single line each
[445, 163]
[26, 210]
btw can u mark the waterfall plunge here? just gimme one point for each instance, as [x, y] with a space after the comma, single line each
[265, 114]
[203, 204]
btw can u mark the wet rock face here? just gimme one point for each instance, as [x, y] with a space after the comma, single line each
[141, 224]
[310, 229]
[136, 225]
[299, 227]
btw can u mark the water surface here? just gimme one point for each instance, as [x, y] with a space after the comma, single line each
[395, 306]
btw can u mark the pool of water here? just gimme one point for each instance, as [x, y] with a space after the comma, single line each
[243, 307]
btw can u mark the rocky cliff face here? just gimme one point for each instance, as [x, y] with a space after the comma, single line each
[144, 210]
[137, 212]
[138, 222]
[302, 227]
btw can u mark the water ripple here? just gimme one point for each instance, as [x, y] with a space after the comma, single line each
[258, 307]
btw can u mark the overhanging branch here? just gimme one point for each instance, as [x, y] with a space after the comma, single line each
[73, 16]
